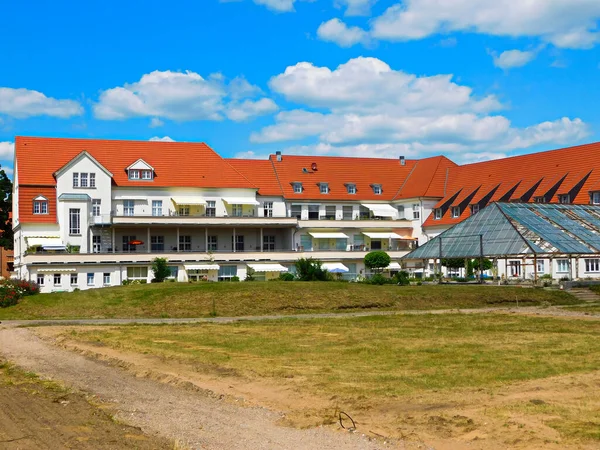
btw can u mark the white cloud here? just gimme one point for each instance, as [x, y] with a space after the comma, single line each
[277, 5]
[161, 139]
[364, 107]
[180, 96]
[7, 151]
[155, 122]
[22, 103]
[249, 108]
[355, 7]
[564, 23]
[335, 30]
[513, 58]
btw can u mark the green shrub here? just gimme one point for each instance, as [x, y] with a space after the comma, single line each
[286, 276]
[546, 276]
[377, 260]
[309, 269]
[235, 279]
[378, 279]
[401, 278]
[126, 282]
[9, 296]
[161, 270]
[250, 274]
[23, 287]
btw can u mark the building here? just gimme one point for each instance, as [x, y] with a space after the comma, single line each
[93, 213]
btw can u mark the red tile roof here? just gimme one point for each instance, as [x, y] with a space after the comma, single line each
[261, 173]
[177, 164]
[571, 165]
[26, 196]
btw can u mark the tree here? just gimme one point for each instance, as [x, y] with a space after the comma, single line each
[487, 264]
[160, 269]
[6, 233]
[453, 263]
[250, 274]
[377, 260]
[309, 269]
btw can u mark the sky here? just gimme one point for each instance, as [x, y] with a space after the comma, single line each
[470, 79]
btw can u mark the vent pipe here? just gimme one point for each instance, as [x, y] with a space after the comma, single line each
[278, 155]
[402, 161]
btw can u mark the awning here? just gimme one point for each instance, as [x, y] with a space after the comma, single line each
[394, 266]
[268, 267]
[58, 269]
[47, 243]
[201, 266]
[74, 197]
[331, 235]
[188, 201]
[381, 210]
[382, 235]
[240, 201]
[335, 267]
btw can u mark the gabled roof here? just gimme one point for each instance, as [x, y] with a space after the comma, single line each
[176, 164]
[78, 158]
[140, 164]
[261, 173]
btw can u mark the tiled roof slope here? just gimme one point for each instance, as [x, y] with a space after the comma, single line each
[417, 177]
[177, 164]
[26, 196]
[260, 173]
[573, 170]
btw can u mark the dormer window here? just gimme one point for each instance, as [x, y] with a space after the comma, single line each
[40, 205]
[564, 198]
[595, 198]
[455, 212]
[437, 214]
[297, 188]
[140, 170]
[134, 174]
[146, 174]
[475, 208]
[377, 190]
[351, 188]
[324, 188]
[540, 200]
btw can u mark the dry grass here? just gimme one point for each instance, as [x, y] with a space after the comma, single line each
[183, 300]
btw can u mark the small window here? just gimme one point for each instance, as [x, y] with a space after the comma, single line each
[268, 209]
[157, 207]
[137, 273]
[185, 243]
[416, 211]
[564, 198]
[455, 212]
[184, 210]
[351, 189]
[541, 266]
[96, 203]
[73, 279]
[128, 207]
[377, 190]
[562, 265]
[212, 244]
[134, 174]
[401, 212]
[75, 179]
[106, 279]
[297, 188]
[438, 214]
[90, 279]
[592, 265]
[157, 243]
[211, 208]
[57, 279]
[92, 180]
[475, 208]
[595, 198]
[40, 207]
[83, 180]
[236, 210]
[146, 174]
[324, 188]
[40, 279]
[540, 200]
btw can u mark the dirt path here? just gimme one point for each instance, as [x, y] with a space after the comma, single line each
[193, 418]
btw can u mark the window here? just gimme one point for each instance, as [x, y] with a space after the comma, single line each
[174, 272]
[185, 243]
[268, 209]
[75, 179]
[137, 273]
[96, 207]
[157, 243]
[375, 245]
[236, 210]
[157, 208]
[329, 212]
[57, 279]
[347, 212]
[73, 279]
[324, 188]
[227, 272]
[96, 243]
[92, 180]
[40, 206]
[128, 207]
[351, 188]
[74, 221]
[106, 279]
[146, 174]
[212, 244]
[595, 198]
[83, 180]
[134, 174]
[455, 212]
[540, 200]
[541, 267]
[127, 247]
[564, 198]
[401, 213]
[184, 210]
[416, 211]
[562, 265]
[269, 243]
[438, 213]
[239, 243]
[296, 211]
[90, 279]
[313, 212]
[211, 208]
[297, 188]
[377, 190]
[592, 265]
[514, 268]
[40, 279]
[358, 242]
[475, 208]
[364, 212]
[305, 242]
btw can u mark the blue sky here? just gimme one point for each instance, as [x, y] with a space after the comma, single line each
[471, 79]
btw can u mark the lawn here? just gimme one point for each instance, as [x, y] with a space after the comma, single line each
[183, 300]
[372, 360]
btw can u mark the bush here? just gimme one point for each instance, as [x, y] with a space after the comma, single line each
[160, 269]
[126, 282]
[546, 276]
[377, 260]
[401, 278]
[378, 279]
[9, 296]
[286, 276]
[23, 287]
[235, 279]
[250, 274]
[309, 269]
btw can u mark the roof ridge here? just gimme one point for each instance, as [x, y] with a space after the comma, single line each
[406, 180]
[276, 176]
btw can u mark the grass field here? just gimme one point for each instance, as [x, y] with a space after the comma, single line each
[182, 300]
[369, 361]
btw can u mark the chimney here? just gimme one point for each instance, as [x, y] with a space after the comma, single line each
[402, 161]
[278, 154]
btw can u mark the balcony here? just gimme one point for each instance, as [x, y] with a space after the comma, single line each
[203, 220]
[354, 223]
